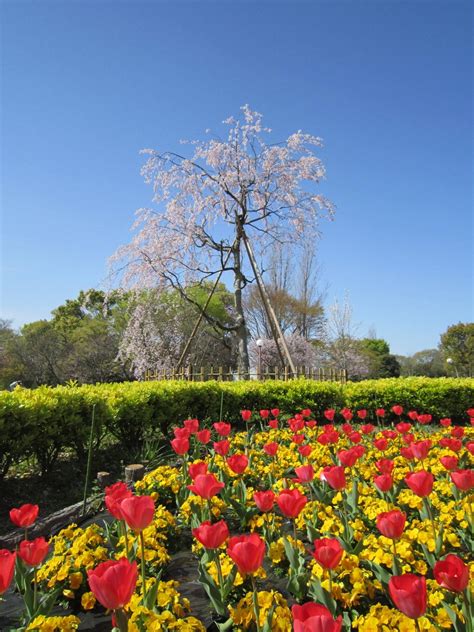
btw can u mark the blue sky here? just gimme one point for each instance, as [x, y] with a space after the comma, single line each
[388, 85]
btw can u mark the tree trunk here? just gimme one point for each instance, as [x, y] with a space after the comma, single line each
[241, 332]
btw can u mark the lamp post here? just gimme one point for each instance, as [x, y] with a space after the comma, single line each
[259, 344]
[450, 361]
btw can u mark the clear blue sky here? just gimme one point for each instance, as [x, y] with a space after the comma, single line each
[388, 85]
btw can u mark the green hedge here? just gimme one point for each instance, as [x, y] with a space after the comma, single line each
[44, 421]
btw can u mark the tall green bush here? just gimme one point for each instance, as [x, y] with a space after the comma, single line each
[44, 421]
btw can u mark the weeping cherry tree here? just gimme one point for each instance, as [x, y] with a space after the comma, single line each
[207, 202]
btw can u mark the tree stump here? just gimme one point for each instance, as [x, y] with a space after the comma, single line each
[134, 472]
[104, 479]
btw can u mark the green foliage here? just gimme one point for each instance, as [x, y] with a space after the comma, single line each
[457, 343]
[380, 361]
[44, 421]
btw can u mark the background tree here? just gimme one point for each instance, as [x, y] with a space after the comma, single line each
[428, 362]
[161, 323]
[343, 350]
[208, 202]
[303, 353]
[11, 368]
[292, 285]
[381, 363]
[457, 343]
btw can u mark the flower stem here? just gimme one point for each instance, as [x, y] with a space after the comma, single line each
[255, 604]
[35, 591]
[142, 545]
[219, 573]
[430, 515]
[125, 532]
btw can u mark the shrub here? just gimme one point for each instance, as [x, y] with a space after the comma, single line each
[45, 420]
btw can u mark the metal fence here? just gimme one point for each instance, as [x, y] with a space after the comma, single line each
[228, 374]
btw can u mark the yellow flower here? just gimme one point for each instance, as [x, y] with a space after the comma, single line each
[88, 601]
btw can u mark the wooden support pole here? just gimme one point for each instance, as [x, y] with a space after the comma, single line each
[280, 341]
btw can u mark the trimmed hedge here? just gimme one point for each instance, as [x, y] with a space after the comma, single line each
[44, 421]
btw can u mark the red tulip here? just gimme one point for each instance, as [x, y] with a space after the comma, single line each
[296, 424]
[403, 427]
[306, 412]
[389, 434]
[458, 432]
[238, 463]
[206, 486]
[445, 422]
[246, 415]
[381, 444]
[305, 473]
[470, 447]
[138, 511]
[470, 412]
[203, 436]
[413, 415]
[408, 438]
[463, 479]
[420, 449]
[348, 458]
[271, 448]
[452, 573]
[420, 483]
[273, 423]
[380, 412]
[304, 450]
[328, 436]
[424, 419]
[275, 412]
[298, 438]
[7, 569]
[334, 476]
[113, 582]
[346, 428]
[398, 410]
[222, 447]
[385, 466]
[192, 425]
[391, 523]
[449, 442]
[264, 414]
[197, 468]
[182, 433]
[247, 552]
[313, 617]
[264, 500]
[449, 462]
[24, 516]
[114, 494]
[347, 414]
[33, 552]
[355, 437]
[407, 453]
[211, 536]
[383, 482]
[222, 428]
[362, 414]
[180, 446]
[329, 414]
[291, 502]
[327, 552]
[367, 429]
[408, 593]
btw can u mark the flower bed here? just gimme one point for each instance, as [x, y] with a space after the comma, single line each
[292, 526]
